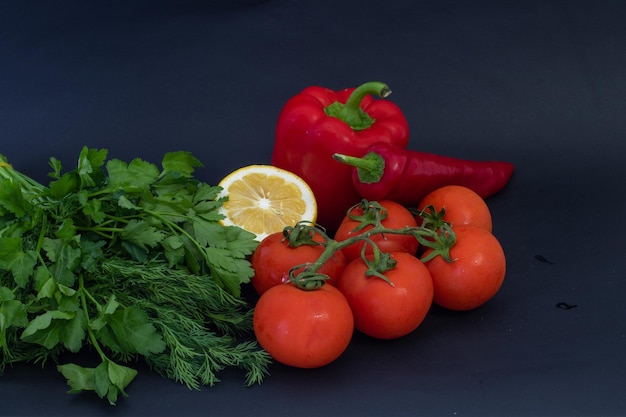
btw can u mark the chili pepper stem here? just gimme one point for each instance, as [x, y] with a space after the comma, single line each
[369, 168]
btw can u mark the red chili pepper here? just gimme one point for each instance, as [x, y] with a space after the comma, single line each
[388, 172]
[318, 123]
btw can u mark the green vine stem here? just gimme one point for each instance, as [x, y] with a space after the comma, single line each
[307, 277]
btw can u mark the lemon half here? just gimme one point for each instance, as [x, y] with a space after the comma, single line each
[263, 199]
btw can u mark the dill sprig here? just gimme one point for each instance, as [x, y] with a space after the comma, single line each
[200, 321]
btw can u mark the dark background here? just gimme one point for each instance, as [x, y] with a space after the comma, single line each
[539, 83]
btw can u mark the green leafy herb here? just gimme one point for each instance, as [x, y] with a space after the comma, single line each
[130, 259]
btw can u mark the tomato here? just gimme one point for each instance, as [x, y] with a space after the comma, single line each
[274, 257]
[304, 329]
[384, 311]
[475, 275]
[398, 217]
[462, 206]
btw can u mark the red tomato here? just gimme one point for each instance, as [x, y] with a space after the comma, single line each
[304, 329]
[384, 311]
[462, 206]
[475, 275]
[274, 257]
[398, 217]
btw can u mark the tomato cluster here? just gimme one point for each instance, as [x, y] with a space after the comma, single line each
[380, 274]
[479, 264]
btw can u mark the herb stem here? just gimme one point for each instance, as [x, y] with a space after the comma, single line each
[174, 227]
[26, 183]
[42, 236]
[100, 230]
[92, 337]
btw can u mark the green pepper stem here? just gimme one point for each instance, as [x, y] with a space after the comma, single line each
[353, 104]
[351, 112]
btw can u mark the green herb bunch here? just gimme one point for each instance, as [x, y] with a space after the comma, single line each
[131, 260]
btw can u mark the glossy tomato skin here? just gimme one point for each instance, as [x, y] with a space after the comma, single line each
[398, 217]
[462, 206]
[476, 274]
[384, 311]
[304, 329]
[274, 257]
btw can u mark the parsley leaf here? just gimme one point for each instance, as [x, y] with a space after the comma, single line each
[129, 330]
[12, 200]
[180, 162]
[15, 260]
[142, 234]
[90, 164]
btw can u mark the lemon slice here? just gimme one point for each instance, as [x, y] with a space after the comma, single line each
[263, 199]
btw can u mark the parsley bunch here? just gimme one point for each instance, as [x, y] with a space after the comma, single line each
[131, 260]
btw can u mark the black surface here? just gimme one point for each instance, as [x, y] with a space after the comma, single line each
[539, 83]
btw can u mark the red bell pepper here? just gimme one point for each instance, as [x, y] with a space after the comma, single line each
[388, 172]
[318, 123]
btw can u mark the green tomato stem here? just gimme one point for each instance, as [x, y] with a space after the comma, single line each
[308, 274]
